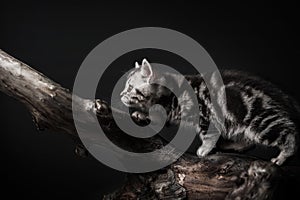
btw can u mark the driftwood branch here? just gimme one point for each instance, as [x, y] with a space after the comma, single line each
[219, 176]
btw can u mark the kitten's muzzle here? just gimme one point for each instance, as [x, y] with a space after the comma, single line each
[122, 93]
[125, 99]
[130, 102]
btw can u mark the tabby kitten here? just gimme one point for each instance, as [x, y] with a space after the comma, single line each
[255, 111]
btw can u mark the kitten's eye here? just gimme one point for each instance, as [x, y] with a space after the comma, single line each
[140, 93]
[130, 87]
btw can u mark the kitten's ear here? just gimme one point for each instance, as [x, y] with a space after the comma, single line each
[146, 69]
[137, 65]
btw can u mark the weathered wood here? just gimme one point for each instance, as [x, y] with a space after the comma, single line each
[219, 176]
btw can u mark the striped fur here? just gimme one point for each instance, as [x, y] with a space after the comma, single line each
[255, 111]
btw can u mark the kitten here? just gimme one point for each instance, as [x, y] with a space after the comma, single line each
[256, 112]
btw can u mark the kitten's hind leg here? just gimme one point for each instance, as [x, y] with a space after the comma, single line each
[279, 160]
[287, 149]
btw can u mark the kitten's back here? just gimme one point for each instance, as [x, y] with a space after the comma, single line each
[243, 80]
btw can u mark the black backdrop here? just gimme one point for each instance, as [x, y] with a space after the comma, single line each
[55, 38]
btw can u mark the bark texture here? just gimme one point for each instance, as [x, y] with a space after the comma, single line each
[218, 176]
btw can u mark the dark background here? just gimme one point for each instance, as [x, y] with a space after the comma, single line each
[55, 38]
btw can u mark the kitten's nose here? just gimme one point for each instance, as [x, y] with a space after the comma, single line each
[122, 93]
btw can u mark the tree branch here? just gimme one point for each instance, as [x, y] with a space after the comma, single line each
[219, 176]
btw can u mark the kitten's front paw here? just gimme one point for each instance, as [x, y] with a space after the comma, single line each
[102, 107]
[139, 117]
[201, 152]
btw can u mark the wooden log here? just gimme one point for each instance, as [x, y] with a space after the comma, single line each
[217, 176]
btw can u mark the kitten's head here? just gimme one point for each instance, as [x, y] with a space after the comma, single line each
[138, 92]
